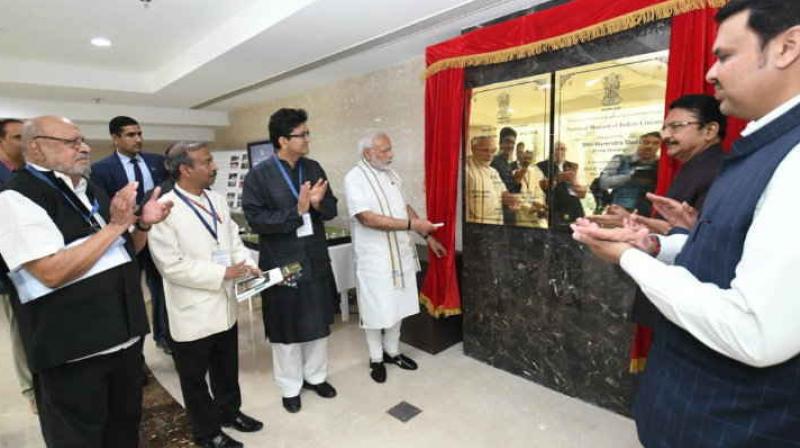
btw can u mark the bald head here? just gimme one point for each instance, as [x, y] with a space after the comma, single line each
[56, 143]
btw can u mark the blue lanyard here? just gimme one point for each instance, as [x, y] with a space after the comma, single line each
[286, 176]
[82, 210]
[214, 218]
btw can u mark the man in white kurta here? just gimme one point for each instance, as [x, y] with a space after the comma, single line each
[385, 255]
[199, 254]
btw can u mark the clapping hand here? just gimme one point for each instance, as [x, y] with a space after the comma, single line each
[304, 198]
[317, 192]
[609, 244]
[155, 211]
[678, 214]
[123, 206]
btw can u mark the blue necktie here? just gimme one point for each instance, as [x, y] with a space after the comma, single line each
[137, 173]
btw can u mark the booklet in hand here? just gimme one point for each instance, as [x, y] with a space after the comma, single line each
[249, 286]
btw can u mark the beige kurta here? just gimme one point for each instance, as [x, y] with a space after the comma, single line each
[386, 261]
[484, 194]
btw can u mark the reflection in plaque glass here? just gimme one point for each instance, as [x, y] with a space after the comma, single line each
[521, 172]
[508, 128]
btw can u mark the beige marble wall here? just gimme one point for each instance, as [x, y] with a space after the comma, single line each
[341, 113]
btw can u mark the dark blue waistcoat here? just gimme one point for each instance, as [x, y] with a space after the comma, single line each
[690, 395]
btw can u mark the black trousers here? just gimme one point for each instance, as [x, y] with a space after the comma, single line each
[96, 402]
[218, 355]
[156, 287]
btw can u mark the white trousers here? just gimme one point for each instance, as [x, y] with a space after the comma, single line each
[293, 363]
[389, 342]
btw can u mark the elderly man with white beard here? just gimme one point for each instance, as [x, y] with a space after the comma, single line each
[386, 261]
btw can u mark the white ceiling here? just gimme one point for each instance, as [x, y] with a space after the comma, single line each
[217, 55]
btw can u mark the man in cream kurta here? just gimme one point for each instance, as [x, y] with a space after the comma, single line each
[385, 255]
[199, 254]
[486, 193]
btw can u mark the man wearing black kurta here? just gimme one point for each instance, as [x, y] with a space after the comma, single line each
[286, 199]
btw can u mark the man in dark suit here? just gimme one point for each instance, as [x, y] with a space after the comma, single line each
[127, 164]
[565, 198]
[11, 158]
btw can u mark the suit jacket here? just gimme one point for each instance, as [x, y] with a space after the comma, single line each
[564, 207]
[109, 174]
[199, 301]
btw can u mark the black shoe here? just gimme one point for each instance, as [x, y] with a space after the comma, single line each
[221, 440]
[324, 389]
[292, 404]
[243, 423]
[377, 371]
[402, 361]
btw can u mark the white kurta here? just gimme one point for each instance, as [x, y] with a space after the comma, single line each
[484, 194]
[386, 261]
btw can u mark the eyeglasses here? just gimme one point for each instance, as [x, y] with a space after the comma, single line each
[677, 125]
[305, 134]
[75, 143]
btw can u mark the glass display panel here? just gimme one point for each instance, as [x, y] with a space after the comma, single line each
[503, 183]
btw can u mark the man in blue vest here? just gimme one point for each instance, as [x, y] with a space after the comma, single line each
[724, 367]
[129, 164]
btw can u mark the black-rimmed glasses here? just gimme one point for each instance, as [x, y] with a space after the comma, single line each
[305, 134]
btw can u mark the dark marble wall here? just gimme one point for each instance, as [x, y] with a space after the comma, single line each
[538, 305]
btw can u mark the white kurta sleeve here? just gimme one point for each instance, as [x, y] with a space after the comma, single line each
[356, 190]
[26, 231]
[755, 321]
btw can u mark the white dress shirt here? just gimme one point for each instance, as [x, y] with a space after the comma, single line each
[757, 320]
[147, 177]
[27, 233]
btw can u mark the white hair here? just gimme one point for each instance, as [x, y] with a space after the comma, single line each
[368, 141]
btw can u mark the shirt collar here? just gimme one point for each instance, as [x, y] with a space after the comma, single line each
[187, 194]
[753, 126]
[123, 158]
[79, 189]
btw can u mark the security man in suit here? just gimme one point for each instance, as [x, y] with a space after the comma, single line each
[127, 164]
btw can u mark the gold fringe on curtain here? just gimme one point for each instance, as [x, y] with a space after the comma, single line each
[660, 11]
[437, 312]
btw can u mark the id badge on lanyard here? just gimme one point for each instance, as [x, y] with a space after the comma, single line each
[307, 229]
[221, 257]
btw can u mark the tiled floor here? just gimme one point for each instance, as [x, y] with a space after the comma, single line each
[464, 403]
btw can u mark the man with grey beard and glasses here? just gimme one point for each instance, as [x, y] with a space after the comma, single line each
[386, 259]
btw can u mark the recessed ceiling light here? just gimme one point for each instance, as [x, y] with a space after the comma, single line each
[101, 42]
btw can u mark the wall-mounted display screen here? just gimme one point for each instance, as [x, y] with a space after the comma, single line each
[259, 151]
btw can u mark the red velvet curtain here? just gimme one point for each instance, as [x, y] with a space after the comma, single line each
[690, 57]
[444, 118]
